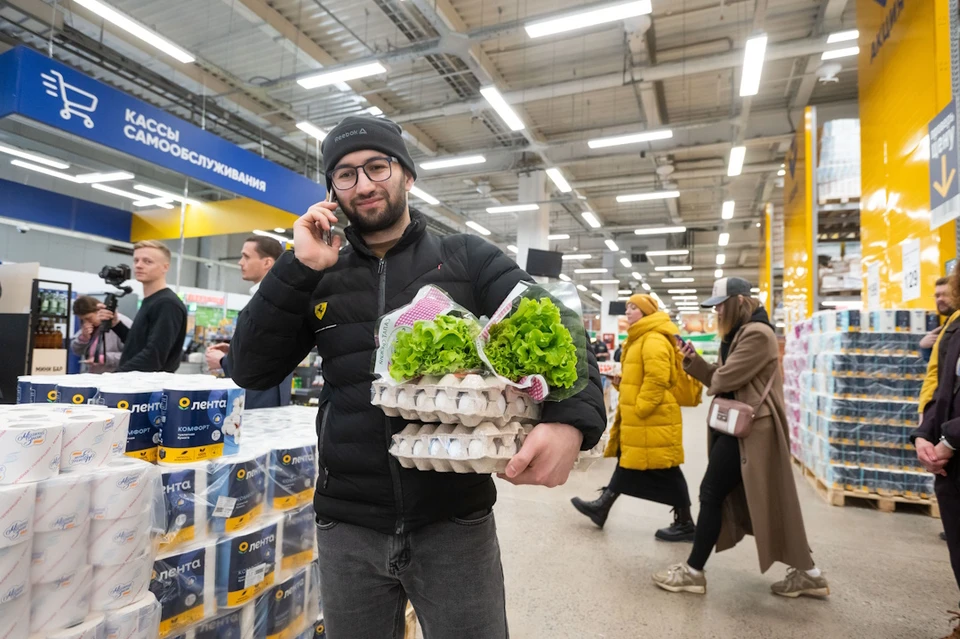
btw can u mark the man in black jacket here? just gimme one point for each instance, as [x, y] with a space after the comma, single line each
[386, 533]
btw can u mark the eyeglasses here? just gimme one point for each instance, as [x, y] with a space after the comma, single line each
[376, 170]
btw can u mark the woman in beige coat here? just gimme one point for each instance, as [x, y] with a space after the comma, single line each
[748, 487]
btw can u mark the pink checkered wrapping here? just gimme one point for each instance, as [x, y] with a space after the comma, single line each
[432, 304]
[501, 313]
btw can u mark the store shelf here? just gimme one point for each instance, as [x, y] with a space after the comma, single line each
[53, 316]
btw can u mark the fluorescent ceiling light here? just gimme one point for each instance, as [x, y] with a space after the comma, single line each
[507, 114]
[724, 239]
[636, 276]
[423, 195]
[623, 299]
[843, 36]
[626, 262]
[611, 245]
[115, 191]
[840, 53]
[590, 219]
[677, 280]
[604, 281]
[558, 236]
[375, 111]
[586, 19]
[451, 162]
[717, 274]
[690, 312]
[283, 240]
[685, 267]
[163, 204]
[645, 286]
[325, 78]
[583, 271]
[726, 211]
[755, 289]
[513, 208]
[643, 197]
[558, 180]
[44, 170]
[34, 157]
[279, 230]
[136, 29]
[512, 249]
[668, 253]
[682, 291]
[735, 167]
[113, 176]
[312, 130]
[781, 173]
[168, 195]
[721, 259]
[753, 54]
[576, 256]
[476, 227]
[625, 291]
[596, 297]
[661, 230]
[565, 277]
[685, 298]
[582, 288]
[633, 138]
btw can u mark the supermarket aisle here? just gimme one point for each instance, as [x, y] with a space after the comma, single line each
[565, 578]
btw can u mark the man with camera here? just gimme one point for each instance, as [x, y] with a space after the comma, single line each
[99, 350]
[155, 341]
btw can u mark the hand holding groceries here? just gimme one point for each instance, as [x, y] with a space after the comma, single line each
[309, 246]
[547, 456]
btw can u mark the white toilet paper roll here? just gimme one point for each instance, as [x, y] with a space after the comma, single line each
[121, 428]
[88, 439]
[136, 621]
[118, 586]
[91, 628]
[184, 583]
[117, 541]
[58, 554]
[62, 603]
[15, 619]
[14, 571]
[63, 502]
[123, 489]
[185, 501]
[17, 503]
[29, 451]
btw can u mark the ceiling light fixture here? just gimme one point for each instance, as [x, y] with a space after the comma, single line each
[137, 30]
[507, 114]
[735, 167]
[685, 298]
[512, 249]
[726, 211]
[558, 236]
[558, 180]
[423, 195]
[755, 289]
[840, 53]
[120, 192]
[724, 239]
[668, 253]
[476, 227]
[611, 245]
[576, 256]
[279, 230]
[690, 312]
[452, 162]
[753, 54]
[582, 288]
[168, 195]
[677, 280]
[326, 78]
[633, 138]
[375, 111]
[643, 197]
[625, 291]
[601, 282]
[781, 173]
[661, 230]
[513, 208]
[163, 204]
[591, 219]
[34, 157]
[843, 36]
[636, 276]
[312, 130]
[666, 269]
[44, 170]
[625, 261]
[590, 18]
[283, 240]
[584, 271]
[113, 176]
[682, 291]
[721, 259]
[565, 277]
[717, 274]
[645, 286]
[596, 297]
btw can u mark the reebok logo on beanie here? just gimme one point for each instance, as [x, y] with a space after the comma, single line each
[344, 136]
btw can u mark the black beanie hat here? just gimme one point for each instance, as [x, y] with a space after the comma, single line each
[361, 133]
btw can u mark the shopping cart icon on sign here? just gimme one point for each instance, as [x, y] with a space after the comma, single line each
[75, 101]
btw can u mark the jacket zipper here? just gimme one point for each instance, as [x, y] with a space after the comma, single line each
[320, 460]
[394, 473]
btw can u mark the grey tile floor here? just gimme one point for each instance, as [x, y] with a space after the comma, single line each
[889, 573]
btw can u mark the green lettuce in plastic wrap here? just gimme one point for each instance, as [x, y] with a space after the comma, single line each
[446, 344]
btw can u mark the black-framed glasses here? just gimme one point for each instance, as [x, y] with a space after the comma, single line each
[376, 170]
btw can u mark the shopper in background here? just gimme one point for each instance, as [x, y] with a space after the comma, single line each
[257, 257]
[86, 345]
[946, 307]
[647, 432]
[155, 341]
[600, 350]
[385, 533]
[748, 486]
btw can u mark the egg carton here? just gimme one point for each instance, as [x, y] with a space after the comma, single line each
[470, 400]
[450, 448]
[588, 457]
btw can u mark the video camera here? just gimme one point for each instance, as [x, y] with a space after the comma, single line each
[115, 276]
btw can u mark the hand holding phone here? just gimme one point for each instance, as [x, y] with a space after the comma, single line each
[685, 347]
[314, 243]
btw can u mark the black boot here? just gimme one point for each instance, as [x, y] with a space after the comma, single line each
[598, 509]
[683, 528]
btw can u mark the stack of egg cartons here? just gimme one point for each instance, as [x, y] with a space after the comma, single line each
[76, 518]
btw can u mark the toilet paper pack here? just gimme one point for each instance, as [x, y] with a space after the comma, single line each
[29, 450]
[17, 505]
[121, 585]
[57, 554]
[88, 439]
[14, 571]
[183, 581]
[246, 563]
[93, 627]
[63, 502]
[15, 619]
[283, 608]
[139, 620]
[117, 541]
[293, 475]
[77, 390]
[236, 490]
[62, 603]
[124, 489]
[241, 623]
[299, 533]
[185, 498]
[201, 420]
[144, 407]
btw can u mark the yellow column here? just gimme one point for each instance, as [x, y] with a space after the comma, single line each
[798, 243]
[765, 281]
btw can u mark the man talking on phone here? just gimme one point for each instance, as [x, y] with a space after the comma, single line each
[388, 534]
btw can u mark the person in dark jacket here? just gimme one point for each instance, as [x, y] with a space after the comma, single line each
[385, 533]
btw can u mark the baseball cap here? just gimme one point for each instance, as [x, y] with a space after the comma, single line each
[725, 288]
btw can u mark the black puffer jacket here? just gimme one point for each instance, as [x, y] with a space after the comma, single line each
[337, 310]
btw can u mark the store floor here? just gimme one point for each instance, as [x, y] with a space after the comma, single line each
[565, 578]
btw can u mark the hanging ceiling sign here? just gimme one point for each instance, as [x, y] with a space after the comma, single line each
[52, 93]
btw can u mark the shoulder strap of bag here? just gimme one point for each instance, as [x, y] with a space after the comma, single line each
[766, 390]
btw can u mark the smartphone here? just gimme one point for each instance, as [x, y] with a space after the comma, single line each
[328, 235]
[682, 341]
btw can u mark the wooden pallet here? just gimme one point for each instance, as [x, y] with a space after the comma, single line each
[883, 503]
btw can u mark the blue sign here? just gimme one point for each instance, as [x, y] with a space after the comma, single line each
[55, 94]
[942, 130]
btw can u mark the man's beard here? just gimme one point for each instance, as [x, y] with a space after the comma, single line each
[394, 204]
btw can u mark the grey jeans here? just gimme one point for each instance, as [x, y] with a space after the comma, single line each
[450, 571]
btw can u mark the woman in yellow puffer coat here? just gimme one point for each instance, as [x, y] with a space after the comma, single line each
[647, 433]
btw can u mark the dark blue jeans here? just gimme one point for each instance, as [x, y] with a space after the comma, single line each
[450, 571]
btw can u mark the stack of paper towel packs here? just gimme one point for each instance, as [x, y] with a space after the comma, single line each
[228, 536]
